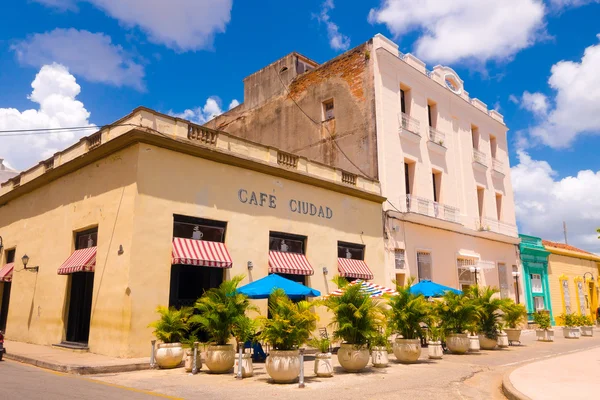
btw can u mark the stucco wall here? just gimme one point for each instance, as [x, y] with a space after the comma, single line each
[42, 223]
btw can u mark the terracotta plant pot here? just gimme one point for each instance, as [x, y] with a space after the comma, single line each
[502, 340]
[189, 360]
[458, 343]
[283, 366]
[571, 333]
[353, 359]
[474, 344]
[486, 343]
[168, 355]
[379, 357]
[407, 351]
[514, 335]
[220, 359]
[323, 365]
[247, 366]
[435, 350]
[544, 335]
[587, 331]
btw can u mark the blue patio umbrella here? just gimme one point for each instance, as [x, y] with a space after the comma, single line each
[431, 289]
[262, 288]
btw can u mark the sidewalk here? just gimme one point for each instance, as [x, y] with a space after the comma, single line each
[563, 377]
[70, 362]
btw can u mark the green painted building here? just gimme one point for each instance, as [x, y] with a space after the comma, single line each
[534, 259]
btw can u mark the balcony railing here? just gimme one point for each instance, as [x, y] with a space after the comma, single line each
[436, 136]
[409, 124]
[479, 157]
[431, 208]
[498, 166]
[493, 225]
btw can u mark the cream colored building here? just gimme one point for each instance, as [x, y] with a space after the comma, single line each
[153, 210]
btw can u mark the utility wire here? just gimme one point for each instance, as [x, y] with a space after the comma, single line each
[47, 131]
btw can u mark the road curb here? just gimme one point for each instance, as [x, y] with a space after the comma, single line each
[78, 369]
[509, 390]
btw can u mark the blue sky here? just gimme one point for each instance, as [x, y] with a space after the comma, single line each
[523, 57]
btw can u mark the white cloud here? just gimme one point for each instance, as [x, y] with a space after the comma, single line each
[576, 98]
[182, 25]
[535, 102]
[61, 5]
[559, 4]
[513, 99]
[337, 40]
[543, 202]
[55, 91]
[463, 30]
[201, 115]
[89, 55]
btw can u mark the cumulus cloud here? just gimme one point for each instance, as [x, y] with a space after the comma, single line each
[337, 40]
[535, 102]
[560, 4]
[201, 115]
[464, 30]
[576, 96]
[543, 202]
[89, 55]
[54, 91]
[182, 25]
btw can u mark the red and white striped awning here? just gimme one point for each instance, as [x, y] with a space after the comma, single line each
[202, 253]
[349, 268]
[289, 263]
[83, 260]
[6, 272]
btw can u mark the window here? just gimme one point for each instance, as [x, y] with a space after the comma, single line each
[400, 279]
[423, 265]
[286, 243]
[399, 259]
[436, 178]
[503, 280]
[432, 113]
[536, 283]
[10, 256]
[328, 110]
[199, 229]
[493, 146]
[86, 239]
[405, 96]
[475, 137]
[539, 303]
[466, 277]
[480, 199]
[581, 298]
[499, 206]
[566, 296]
[351, 250]
[402, 101]
[409, 173]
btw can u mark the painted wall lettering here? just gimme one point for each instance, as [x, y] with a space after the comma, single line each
[260, 199]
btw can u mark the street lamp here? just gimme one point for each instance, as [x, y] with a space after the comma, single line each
[25, 260]
[474, 269]
[592, 276]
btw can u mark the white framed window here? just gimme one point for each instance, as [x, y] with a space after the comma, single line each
[466, 277]
[581, 295]
[536, 283]
[328, 110]
[503, 279]
[539, 303]
[566, 295]
[399, 259]
[424, 265]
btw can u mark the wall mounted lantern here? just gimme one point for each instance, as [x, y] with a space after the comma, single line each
[250, 266]
[325, 271]
[25, 260]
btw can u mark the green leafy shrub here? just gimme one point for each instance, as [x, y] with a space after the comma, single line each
[320, 344]
[568, 320]
[542, 320]
[457, 312]
[290, 324]
[171, 327]
[514, 314]
[585, 320]
[489, 307]
[408, 312]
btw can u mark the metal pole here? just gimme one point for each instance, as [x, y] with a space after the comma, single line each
[152, 361]
[194, 363]
[301, 380]
[240, 358]
[565, 230]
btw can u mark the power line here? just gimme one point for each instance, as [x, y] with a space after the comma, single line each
[47, 131]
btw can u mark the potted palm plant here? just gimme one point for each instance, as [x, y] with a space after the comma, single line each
[408, 312]
[170, 329]
[587, 325]
[218, 309]
[435, 332]
[323, 365]
[380, 347]
[514, 316]
[543, 332]
[457, 312]
[288, 327]
[243, 330]
[356, 317]
[570, 328]
[488, 315]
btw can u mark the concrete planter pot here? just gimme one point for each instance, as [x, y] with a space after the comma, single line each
[435, 350]
[323, 365]
[407, 351]
[189, 360]
[168, 355]
[353, 359]
[220, 359]
[587, 331]
[486, 343]
[474, 346]
[571, 333]
[514, 335]
[544, 335]
[247, 366]
[458, 343]
[283, 366]
[502, 340]
[379, 357]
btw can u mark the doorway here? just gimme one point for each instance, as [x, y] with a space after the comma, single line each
[6, 286]
[593, 299]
